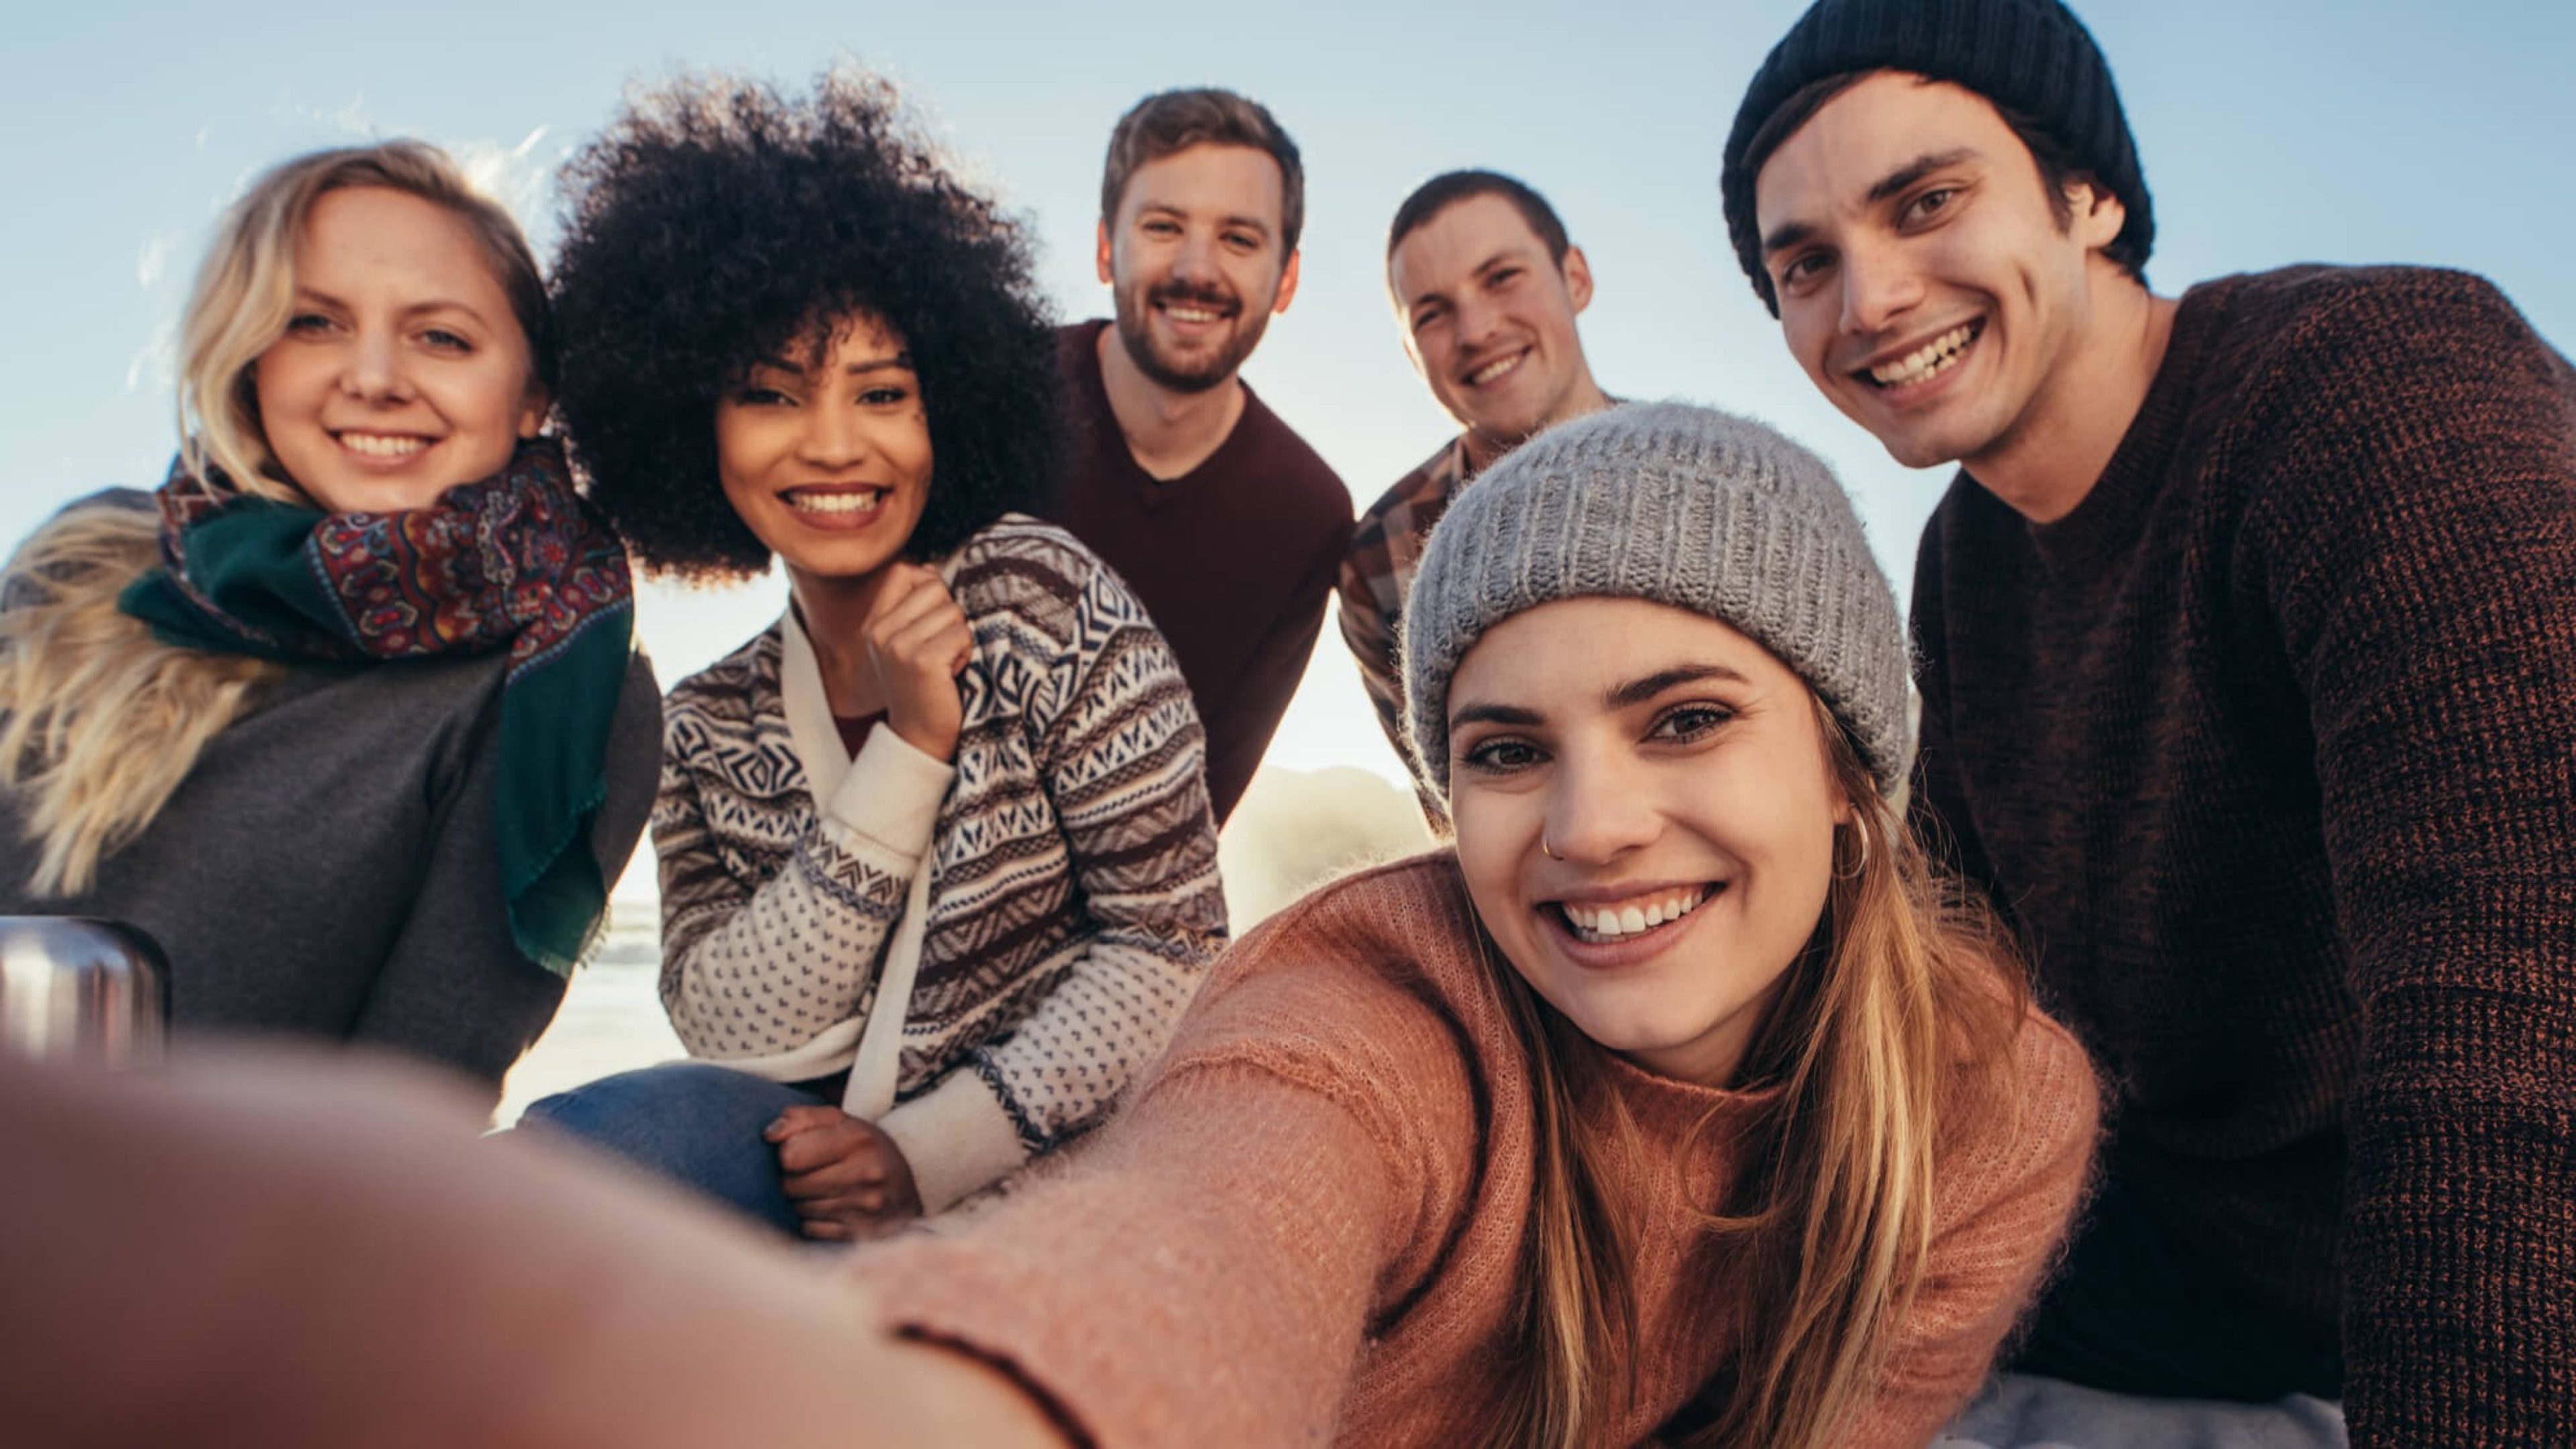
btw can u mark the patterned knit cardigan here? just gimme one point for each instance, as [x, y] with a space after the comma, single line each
[1074, 899]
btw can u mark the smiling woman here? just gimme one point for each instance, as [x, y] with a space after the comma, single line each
[1585, 731]
[1680, 1103]
[347, 716]
[403, 371]
[937, 867]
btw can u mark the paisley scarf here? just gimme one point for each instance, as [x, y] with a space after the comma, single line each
[517, 561]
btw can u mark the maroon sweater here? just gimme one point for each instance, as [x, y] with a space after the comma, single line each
[1233, 559]
[2270, 748]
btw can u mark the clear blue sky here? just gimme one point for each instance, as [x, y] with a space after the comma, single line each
[2272, 131]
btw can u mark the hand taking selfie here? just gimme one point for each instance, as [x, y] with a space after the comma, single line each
[917, 641]
[847, 1180]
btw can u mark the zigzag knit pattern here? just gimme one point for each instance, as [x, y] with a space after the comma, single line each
[1074, 901]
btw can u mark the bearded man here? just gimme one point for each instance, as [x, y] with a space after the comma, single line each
[1222, 520]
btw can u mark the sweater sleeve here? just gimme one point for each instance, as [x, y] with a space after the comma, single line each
[770, 976]
[2019, 1174]
[1121, 752]
[2417, 554]
[455, 988]
[1203, 1270]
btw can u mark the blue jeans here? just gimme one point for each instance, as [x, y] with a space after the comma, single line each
[695, 1123]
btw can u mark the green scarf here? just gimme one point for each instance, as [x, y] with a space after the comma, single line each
[517, 561]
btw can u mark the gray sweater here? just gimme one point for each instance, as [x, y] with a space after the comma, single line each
[328, 870]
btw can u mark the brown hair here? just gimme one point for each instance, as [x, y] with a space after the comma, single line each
[1173, 121]
[1449, 188]
[1897, 1021]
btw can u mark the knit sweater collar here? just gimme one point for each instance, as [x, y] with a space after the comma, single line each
[1695, 1128]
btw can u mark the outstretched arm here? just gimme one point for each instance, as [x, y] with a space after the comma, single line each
[1204, 1269]
[294, 1251]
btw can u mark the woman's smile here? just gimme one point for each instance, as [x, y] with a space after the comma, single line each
[1652, 918]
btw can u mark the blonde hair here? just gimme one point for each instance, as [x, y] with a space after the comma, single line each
[99, 721]
[245, 292]
[1896, 1023]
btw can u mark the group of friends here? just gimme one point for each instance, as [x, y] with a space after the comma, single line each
[2149, 962]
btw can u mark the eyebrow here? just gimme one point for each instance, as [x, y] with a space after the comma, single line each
[1638, 691]
[1507, 253]
[1625, 696]
[1174, 208]
[1504, 714]
[416, 309]
[1915, 170]
[1790, 234]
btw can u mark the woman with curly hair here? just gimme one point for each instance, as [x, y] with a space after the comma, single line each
[347, 716]
[937, 868]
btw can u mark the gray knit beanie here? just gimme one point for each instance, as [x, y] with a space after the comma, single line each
[1680, 505]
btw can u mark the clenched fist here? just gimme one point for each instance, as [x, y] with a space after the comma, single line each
[918, 641]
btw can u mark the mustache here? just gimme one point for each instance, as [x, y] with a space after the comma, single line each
[1205, 294]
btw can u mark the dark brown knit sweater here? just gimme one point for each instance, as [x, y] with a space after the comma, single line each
[1233, 559]
[2269, 748]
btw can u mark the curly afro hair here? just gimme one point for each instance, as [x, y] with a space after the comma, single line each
[716, 222]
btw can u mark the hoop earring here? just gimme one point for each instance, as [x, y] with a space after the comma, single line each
[1545, 849]
[1860, 862]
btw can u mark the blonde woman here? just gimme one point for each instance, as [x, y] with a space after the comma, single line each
[347, 714]
[1671, 1105]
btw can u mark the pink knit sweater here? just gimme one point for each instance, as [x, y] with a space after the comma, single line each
[1305, 1228]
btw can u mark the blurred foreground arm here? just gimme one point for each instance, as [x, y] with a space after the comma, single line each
[296, 1251]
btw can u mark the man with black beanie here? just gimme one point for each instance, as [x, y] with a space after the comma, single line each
[2247, 647]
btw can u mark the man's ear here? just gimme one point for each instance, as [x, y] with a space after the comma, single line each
[1287, 284]
[1103, 247]
[2099, 213]
[1578, 277]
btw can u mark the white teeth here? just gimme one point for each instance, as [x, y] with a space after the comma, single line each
[1928, 360]
[383, 445]
[1191, 314]
[840, 504]
[1608, 923]
[1495, 369]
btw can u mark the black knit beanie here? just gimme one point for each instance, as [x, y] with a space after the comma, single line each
[2029, 56]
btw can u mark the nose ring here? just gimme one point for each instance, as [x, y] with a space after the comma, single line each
[1545, 849]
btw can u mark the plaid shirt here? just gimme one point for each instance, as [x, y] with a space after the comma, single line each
[1378, 571]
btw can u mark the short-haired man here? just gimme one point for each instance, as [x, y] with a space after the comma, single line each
[1486, 286]
[1223, 521]
[2247, 645]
